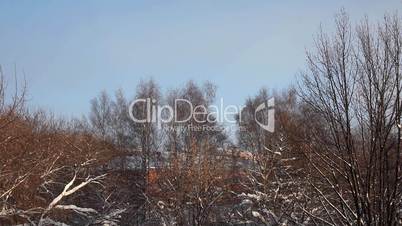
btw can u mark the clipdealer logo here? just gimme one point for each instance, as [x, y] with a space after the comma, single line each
[269, 105]
[264, 114]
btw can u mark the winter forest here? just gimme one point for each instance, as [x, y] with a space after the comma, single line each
[334, 157]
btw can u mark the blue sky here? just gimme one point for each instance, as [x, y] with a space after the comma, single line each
[69, 51]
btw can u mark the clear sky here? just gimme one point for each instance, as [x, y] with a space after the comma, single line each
[71, 50]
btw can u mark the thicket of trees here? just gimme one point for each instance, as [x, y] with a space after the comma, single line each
[334, 158]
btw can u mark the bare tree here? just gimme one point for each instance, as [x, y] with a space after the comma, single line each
[181, 136]
[189, 190]
[38, 157]
[274, 189]
[353, 84]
